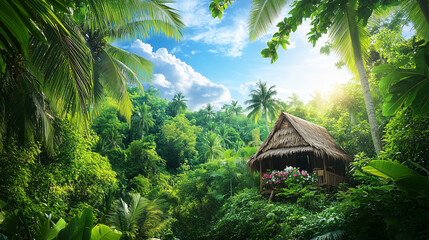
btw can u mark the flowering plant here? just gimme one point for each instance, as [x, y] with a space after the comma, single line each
[289, 177]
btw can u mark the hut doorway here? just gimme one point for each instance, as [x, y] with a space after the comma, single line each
[303, 162]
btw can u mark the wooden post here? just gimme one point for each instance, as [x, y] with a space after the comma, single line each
[324, 171]
[260, 175]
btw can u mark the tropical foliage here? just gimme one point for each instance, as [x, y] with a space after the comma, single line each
[85, 154]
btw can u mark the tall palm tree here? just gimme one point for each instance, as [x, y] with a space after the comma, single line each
[68, 64]
[144, 118]
[209, 111]
[179, 103]
[139, 217]
[262, 101]
[210, 146]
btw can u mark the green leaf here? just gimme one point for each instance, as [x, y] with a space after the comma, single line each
[383, 68]
[388, 169]
[104, 232]
[415, 184]
[53, 232]
[79, 227]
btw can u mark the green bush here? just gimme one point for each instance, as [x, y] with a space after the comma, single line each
[247, 215]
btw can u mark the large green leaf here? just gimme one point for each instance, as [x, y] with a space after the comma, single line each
[44, 230]
[405, 178]
[79, 228]
[103, 232]
[388, 169]
[403, 88]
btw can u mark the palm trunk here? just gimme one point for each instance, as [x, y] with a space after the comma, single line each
[354, 36]
[266, 121]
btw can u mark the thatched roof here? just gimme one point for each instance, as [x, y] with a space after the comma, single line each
[292, 135]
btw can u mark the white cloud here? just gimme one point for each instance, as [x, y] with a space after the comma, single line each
[246, 88]
[159, 80]
[171, 75]
[229, 40]
[227, 35]
[195, 13]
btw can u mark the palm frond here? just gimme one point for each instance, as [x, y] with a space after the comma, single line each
[142, 67]
[167, 20]
[262, 16]
[29, 116]
[344, 22]
[18, 18]
[114, 83]
[416, 15]
[65, 66]
[135, 18]
[334, 235]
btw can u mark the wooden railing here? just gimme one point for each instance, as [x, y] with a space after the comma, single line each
[332, 179]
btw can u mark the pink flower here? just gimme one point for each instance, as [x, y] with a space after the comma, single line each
[297, 180]
[303, 173]
[294, 175]
[284, 178]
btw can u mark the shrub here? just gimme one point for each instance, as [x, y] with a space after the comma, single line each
[247, 215]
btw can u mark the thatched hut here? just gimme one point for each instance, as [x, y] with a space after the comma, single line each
[296, 142]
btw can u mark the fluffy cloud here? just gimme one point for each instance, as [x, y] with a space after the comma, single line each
[247, 87]
[229, 40]
[171, 75]
[228, 35]
[195, 13]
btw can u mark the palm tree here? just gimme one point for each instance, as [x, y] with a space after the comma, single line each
[144, 118]
[179, 103]
[227, 110]
[294, 101]
[223, 133]
[209, 111]
[115, 68]
[317, 100]
[211, 126]
[70, 63]
[236, 108]
[114, 140]
[262, 100]
[210, 146]
[139, 217]
[238, 144]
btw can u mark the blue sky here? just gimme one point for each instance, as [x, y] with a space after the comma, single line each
[216, 63]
